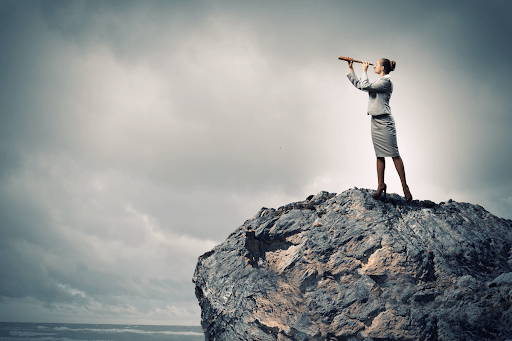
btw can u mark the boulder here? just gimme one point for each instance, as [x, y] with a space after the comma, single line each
[349, 267]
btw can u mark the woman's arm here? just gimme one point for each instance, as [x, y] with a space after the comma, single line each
[381, 85]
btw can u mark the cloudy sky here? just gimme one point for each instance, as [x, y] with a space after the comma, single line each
[136, 135]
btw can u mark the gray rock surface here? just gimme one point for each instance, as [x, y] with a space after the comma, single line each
[349, 267]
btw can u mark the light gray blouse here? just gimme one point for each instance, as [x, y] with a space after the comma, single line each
[379, 91]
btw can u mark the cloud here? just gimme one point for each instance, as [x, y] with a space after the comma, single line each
[134, 136]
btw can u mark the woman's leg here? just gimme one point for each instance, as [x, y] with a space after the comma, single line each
[381, 165]
[399, 165]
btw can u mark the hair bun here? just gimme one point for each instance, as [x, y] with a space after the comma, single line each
[392, 65]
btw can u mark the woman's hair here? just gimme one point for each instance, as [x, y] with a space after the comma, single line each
[388, 65]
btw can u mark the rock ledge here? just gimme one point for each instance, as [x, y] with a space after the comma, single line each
[349, 267]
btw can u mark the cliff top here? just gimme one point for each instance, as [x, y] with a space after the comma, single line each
[336, 267]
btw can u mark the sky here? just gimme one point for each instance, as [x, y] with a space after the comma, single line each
[137, 135]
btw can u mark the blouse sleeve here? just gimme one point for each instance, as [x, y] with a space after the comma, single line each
[380, 85]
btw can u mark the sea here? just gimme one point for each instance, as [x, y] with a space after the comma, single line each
[85, 332]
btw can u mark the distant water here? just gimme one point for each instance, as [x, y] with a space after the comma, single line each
[86, 332]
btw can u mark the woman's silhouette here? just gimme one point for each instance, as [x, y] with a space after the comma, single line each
[383, 124]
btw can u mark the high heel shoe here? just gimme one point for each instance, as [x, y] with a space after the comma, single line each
[407, 193]
[379, 192]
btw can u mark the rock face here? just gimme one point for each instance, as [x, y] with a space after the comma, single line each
[349, 267]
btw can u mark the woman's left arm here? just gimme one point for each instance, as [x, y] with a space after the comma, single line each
[380, 85]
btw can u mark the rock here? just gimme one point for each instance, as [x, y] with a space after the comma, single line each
[503, 278]
[349, 267]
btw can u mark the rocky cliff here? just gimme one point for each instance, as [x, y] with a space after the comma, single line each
[349, 267]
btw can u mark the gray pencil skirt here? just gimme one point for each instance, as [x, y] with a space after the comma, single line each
[384, 136]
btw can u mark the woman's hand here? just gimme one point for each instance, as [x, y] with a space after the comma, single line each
[350, 65]
[365, 66]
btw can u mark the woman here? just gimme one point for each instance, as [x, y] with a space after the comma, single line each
[383, 124]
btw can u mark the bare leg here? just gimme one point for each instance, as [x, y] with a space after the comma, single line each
[381, 166]
[399, 165]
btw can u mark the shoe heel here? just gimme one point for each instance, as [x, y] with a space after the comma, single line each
[377, 195]
[408, 195]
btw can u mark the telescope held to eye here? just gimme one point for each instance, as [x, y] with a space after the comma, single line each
[348, 59]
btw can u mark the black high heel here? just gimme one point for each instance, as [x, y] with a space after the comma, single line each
[379, 192]
[407, 194]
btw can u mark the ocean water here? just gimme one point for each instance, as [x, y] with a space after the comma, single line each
[86, 332]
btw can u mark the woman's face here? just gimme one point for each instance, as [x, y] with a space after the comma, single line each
[378, 68]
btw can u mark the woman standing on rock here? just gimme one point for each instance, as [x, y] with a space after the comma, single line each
[383, 124]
